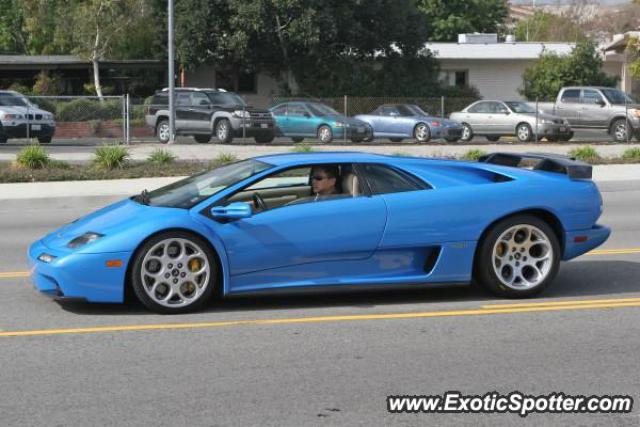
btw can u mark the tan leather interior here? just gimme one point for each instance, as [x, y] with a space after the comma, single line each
[350, 184]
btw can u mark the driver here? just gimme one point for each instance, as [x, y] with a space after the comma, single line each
[324, 180]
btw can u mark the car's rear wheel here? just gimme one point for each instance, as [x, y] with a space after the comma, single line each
[163, 131]
[174, 272]
[223, 131]
[467, 132]
[325, 134]
[422, 133]
[524, 133]
[518, 257]
[202, 139]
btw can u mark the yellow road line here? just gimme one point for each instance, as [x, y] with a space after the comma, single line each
[13, 274]
[318, 319]
[561, 303]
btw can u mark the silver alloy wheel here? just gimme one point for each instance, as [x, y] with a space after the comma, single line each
[522, 257]
[163, 131]
[620, 131]
[222, 130]
[466, 132]
[523, 133]
[325, 134]
[422, 132]
[175, 272]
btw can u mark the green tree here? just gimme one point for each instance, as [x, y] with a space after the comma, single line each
[448, 18]
[582, 67]
[544, 27]
[12, 36]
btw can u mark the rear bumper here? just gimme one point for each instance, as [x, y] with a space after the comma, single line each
[582, 241]
[78, 276]
[554, 130]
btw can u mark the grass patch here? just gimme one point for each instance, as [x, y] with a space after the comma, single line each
[472, 155]
[632, 154]
[111, 157]
[161, 156]
[33, 157]
[223, 159]
[302, 148]
[585, 153]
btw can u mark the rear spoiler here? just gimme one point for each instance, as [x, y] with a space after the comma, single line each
[574, 169]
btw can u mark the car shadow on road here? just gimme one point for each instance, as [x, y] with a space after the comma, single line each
[584, 279]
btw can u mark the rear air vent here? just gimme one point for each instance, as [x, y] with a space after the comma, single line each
[431, 260]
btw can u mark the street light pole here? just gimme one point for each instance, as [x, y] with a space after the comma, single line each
[172, 112]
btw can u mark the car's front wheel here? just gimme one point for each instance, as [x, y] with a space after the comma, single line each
[619, 130]
[518, 257]
[524, 133]
[174, 272]
[422, 133]
[163, 131]
[325, 134]
[223, 131]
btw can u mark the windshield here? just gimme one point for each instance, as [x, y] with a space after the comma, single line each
[322, 110]
[226, 98]
[618, 97]
[417, 110]
[13, 100]
[520, 107]
[187, 192]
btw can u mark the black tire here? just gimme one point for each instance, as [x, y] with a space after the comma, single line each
[264, 139]
[426, 136]
[325, 134]
[484, 271]
[395, 139]
[524, 132]
[224, 131]
[467, 133]
[202, 139]
[493, 138]
[297, 139]
[619, 130]
[136, 280]
[45, 139]
[162, 131]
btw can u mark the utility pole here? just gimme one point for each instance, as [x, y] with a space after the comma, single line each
[172, 112]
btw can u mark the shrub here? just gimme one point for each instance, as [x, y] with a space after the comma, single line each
[111, 157]
[33, 157]
[585, 153]
[80, 110]
[472, 155]
[161, 156]
[223, 159]
[302, 148]
[632, 154]
[47, 84]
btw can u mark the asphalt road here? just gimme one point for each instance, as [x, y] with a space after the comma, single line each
[125, 366]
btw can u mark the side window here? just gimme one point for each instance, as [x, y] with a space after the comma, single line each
[500, 108]
[591, 97]
[390, 111]
[160, 100]
[297, 110]
[290, 178]
[280, 110]
[199, 99]
[481, 107]
[570, 96]
[183, 100]
[384, 180]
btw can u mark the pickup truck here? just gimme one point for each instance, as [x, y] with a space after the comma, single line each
[588, 107]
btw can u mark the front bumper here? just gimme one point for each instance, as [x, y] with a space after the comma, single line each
[554, 130]
[580, 242]
[447, 132]
[252, 128]
[353, 132]
[19, 130]
[73, 275]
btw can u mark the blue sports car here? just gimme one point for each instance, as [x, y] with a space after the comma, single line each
[401, 121]
[329, 219]
[300, 120]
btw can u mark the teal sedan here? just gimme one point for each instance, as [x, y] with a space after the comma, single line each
[299, 120]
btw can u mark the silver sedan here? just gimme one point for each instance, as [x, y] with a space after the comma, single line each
[493, 119]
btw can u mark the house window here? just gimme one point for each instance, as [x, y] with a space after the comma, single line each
[461, 78]
[457, 78]
[243, 82]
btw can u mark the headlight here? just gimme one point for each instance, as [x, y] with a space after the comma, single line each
[44, 257]
[546, 121]
[635, 112]
[241, 114]
[339, 124]
[86, 238]
[11, 116]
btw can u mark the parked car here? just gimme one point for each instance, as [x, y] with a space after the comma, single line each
[252, 226]
[299, 120]
[494, 119]
[203, 113]
[605, 108]
[20, 118]
[400, 121]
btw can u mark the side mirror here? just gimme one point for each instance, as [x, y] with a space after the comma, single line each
[307, 115]
[236, 210]
[601, 103]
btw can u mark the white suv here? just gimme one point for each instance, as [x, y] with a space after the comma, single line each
[19, 118]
